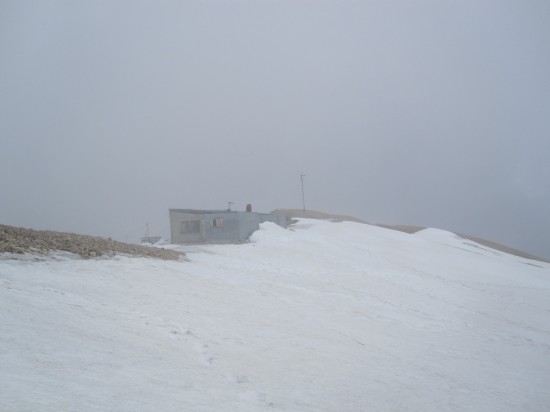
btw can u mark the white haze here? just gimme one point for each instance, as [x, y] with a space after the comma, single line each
[431, 113]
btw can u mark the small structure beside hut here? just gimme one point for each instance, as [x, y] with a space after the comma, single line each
[218, 226]
[150, 239]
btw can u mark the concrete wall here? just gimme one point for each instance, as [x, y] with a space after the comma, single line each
[236, 226]
[176, 219]
[281, 220]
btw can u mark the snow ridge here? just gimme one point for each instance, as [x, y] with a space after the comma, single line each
[321, 317]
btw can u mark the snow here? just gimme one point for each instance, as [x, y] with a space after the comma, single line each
[323, 317]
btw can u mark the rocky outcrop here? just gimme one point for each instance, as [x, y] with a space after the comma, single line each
[21, 240]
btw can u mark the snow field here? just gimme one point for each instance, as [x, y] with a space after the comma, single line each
[323, 317]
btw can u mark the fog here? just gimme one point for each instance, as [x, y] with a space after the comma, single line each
[431, 113]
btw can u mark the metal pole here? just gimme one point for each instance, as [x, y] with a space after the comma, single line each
[303, 196]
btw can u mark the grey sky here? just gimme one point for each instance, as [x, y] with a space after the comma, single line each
[433, 113]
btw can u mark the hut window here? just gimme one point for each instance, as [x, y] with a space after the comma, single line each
[190, 226]
[217, 222]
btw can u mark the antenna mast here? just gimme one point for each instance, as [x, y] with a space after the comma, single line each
[303, 196]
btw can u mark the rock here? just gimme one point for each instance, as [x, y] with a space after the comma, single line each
[21, 240]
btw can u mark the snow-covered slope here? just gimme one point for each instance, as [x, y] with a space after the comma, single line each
[323, 317]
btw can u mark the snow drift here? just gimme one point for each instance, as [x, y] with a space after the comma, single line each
[323, 317]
